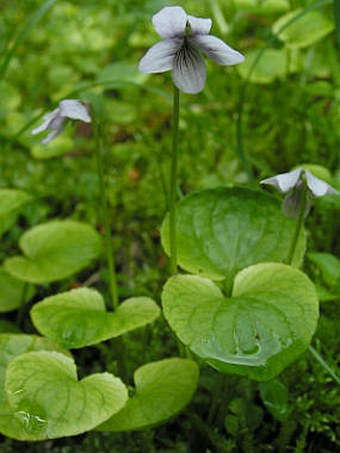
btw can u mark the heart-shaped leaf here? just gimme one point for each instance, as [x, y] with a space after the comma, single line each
[266, 324]
[11, 200]
[78, 318]
[11, 346]
[221, 231]
[54, 250]
[47, 399]
[305, 31]
[162, 390]
[12, 292]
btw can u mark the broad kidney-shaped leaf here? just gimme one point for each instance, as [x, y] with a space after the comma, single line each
[307, 30]
[47, 399]
[223, 230]
[12, 292]
[11, 200]
[78, 318]
[266, 324]
[11, 346]
[54, 250]
[162, 390]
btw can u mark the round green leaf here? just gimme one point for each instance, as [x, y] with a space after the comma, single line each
[305, 31]
[266, 324]
[273, 64]
[223, 230]
[12, 292]
[162, 390]
[11, 346]
[11, 200]
[78, 318]
[48, 401]
[54, 251]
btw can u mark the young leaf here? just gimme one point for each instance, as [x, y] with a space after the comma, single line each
[12, 292]
[48, 401]
[11, 346]
[274, 395]
[221, 231]
[78, 318]
[54, 251]
[162, 390]
[307, 30]
[266, 324]
[11, 200]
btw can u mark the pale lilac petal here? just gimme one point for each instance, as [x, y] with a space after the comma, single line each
[285, 181]
[199, 26]
[189, 73]
[52, 135]
[48, 118]
[291, 205]
[318, 187]
[170, 22]
[75, 110]
[216, 49]
[160, 57]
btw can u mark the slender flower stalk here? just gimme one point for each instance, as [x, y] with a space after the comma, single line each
[173, 181]
[105, 215]
[299, 224]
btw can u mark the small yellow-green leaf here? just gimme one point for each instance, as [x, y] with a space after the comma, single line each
[48, 401]
[11, 346]
[12, 292]
[78, 318]
[54, 251]
[163, 389]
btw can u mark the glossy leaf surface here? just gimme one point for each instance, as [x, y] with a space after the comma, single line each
[48, 401]
[266, 324]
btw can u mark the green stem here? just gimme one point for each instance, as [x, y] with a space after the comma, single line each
[22, 308]
[105, 215]
[173, 181]
[299, 224]
[324, 364]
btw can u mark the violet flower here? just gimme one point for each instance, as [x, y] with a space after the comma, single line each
[55, 121]
[184, 36]
[292, 184]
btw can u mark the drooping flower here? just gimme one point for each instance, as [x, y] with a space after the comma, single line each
[292, 184]
[184, 36]
[69, 109]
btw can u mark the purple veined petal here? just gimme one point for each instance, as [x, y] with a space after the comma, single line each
[48, 118]
[285, 181]
[216, 49]
[170, 22]
[318, 187]
[189, 72]
[75, 110]
[160, 57]
[199, 26]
